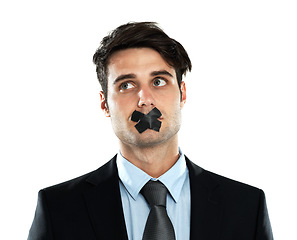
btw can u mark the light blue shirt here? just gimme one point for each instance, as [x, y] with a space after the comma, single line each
[135, 207]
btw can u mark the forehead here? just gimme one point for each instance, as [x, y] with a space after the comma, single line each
[138, 61]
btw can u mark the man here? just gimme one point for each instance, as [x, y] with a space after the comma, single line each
[150, 189]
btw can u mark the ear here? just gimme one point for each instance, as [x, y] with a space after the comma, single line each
[103, 104]
[183, 94]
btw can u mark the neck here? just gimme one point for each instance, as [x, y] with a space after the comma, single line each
[155, 161]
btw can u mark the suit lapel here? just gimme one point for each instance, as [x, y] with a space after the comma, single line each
[104, 203]
[205, 204]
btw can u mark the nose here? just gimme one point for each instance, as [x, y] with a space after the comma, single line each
[145, 98]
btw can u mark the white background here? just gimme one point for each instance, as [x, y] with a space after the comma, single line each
[239, 120]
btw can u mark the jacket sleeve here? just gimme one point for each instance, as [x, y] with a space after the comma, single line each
[264, 231]
[41, 229]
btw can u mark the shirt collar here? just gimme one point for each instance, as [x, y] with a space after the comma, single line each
[134, 178]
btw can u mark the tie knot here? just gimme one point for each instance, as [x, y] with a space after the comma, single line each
[155, 193]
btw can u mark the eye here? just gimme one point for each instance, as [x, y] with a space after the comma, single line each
[126, 85]
[159, 82]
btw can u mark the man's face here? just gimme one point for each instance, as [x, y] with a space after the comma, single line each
[140, 79]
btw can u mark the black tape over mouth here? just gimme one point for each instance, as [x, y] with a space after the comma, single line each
[147, 121]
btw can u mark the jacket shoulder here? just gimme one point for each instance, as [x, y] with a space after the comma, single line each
[232, 184]
[227, 185]
[85, 181]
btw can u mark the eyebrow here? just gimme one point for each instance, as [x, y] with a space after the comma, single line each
[162, 72]
[123, 77]
[132, 76]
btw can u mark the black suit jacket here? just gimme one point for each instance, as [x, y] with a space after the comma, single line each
[89, 208]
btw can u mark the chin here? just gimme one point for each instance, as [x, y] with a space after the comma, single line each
[151, 138]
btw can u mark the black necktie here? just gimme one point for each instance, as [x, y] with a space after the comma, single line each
[158, 225]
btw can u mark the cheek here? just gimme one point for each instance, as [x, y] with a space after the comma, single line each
[170, 99]
[120, 107]
[170, 108]
[114, 101]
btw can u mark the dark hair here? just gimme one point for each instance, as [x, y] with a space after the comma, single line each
[137, 35]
